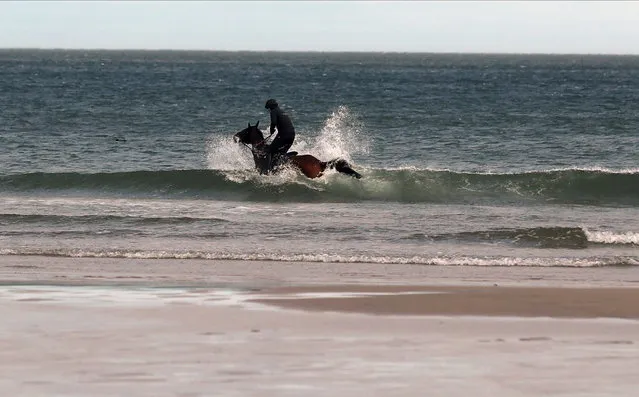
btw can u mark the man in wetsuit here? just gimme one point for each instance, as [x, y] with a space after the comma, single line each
[285, 131]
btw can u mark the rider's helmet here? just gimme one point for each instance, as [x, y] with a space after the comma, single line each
[271, 104]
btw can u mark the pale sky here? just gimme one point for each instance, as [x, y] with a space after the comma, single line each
[427, 26]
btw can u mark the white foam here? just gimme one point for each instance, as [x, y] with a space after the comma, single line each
[612, 237]
[336, 258]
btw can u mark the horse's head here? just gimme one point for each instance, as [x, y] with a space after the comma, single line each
[253, 137]
[250, 135]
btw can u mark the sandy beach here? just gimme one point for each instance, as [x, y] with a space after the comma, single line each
[109, 327]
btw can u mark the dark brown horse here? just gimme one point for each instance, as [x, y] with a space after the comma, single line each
[312, 167]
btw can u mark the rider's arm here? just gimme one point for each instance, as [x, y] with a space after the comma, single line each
[273, 120]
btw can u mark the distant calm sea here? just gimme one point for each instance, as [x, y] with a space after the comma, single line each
[485, 160]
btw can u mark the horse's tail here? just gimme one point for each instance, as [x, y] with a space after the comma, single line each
[341, 165]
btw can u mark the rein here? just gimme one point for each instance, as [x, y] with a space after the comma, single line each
[264, 140]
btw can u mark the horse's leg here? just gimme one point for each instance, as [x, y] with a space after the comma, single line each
[342, 166]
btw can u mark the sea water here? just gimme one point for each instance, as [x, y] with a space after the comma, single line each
[467, 159]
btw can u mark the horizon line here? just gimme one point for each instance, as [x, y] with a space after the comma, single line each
[316, 51]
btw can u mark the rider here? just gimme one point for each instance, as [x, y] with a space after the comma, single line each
[285, 130]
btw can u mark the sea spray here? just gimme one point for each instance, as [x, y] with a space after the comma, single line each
[340, 137]
[224, 154]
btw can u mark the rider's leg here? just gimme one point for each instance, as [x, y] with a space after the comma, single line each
[280, 146]
[278, 150]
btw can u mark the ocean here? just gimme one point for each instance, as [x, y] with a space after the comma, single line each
[467, 159]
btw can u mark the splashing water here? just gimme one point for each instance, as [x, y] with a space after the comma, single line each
[236, 160]
[339, 137]
[225, 155]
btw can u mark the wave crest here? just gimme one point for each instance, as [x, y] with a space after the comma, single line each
[498, 261]
[403, 185]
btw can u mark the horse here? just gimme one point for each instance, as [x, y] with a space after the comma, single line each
[253, 138]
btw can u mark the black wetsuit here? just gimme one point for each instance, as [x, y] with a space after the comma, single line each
[285, 132]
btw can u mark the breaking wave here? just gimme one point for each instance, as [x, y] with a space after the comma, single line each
[570, 186]
[502, 261]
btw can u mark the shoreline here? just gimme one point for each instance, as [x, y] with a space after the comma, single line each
[273, 274]
[362, 288]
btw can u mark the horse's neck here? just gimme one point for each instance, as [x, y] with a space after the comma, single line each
[258, 141]
[260, 146]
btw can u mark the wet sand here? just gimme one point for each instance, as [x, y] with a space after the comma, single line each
[556, 302]
[109, 327]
